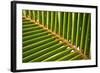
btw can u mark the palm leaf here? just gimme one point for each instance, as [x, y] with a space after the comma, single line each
[55, 36]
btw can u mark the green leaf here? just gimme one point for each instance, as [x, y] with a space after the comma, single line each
[69, 28]
[55, 36]
[74, 27]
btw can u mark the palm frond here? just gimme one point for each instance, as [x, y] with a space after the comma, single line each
[55, 36]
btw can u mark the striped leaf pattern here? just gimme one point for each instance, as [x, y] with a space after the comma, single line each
[55, 36]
